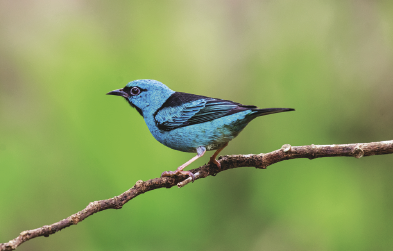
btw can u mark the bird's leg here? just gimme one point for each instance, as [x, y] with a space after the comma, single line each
[213, 158]
[200, 152]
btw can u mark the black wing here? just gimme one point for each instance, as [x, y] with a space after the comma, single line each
[183, 109]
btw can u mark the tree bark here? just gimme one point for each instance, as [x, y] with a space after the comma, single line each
[261, 161]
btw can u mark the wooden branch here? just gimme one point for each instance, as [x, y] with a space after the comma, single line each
[261, 161]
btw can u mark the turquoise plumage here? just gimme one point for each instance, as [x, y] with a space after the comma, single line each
[189, 122]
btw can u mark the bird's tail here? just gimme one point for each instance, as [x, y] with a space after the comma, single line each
[266, 111]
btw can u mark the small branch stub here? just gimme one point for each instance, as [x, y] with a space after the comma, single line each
[286, 148]
[358, 152]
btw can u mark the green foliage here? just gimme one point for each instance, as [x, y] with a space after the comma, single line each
[64, 143]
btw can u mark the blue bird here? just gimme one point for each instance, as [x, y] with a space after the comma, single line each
[189, 122]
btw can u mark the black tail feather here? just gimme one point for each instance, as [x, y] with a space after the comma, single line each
[267, 111]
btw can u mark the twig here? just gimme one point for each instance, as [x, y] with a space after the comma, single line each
[227, 162]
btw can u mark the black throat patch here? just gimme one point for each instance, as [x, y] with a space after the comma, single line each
[137, 108]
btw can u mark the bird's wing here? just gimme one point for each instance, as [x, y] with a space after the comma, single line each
[183, 109]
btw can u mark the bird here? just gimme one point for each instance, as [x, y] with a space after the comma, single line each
[188, 122]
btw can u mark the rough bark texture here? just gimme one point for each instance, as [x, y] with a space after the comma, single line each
[227, 162]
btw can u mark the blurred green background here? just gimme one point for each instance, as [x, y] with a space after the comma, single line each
[64, 143]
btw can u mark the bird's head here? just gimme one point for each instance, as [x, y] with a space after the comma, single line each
[145, 95]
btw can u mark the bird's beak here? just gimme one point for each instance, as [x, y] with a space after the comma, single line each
[118, 92]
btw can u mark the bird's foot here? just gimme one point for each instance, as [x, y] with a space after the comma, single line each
[177, 172]
[201, 151]
[215, 162]
[213, 158]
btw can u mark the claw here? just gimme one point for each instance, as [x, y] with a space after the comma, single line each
[189, 174]
[215, 162]
[177, 172]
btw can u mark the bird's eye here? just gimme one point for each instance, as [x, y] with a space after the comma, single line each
[135, 91]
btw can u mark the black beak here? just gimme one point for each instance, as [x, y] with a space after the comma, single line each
[118, 92]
